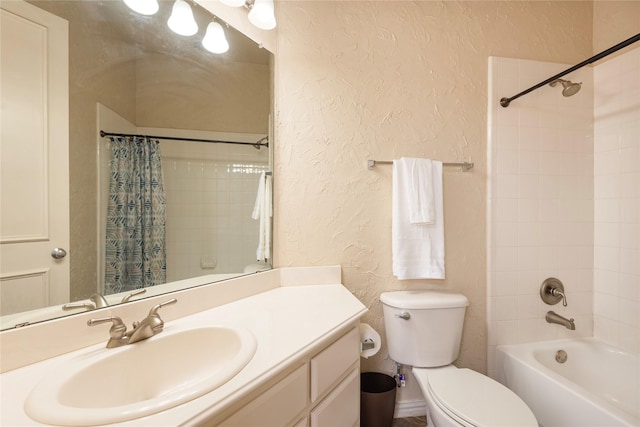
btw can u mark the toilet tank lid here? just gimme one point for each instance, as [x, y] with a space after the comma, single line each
[423, 299]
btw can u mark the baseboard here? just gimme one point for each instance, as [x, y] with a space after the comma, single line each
[410, 408]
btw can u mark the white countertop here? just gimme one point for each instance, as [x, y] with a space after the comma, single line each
[286, 322]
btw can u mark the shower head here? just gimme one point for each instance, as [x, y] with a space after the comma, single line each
[568, 88]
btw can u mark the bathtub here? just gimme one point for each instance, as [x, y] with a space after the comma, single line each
[598, 385]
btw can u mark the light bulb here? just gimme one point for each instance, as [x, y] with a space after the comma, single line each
[181, 20]
[261, 15]
[143, 7]
[214, 39]
[233, 3]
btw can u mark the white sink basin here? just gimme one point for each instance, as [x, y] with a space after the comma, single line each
[115, 385]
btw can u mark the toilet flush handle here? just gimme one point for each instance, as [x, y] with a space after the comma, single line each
[404, 315]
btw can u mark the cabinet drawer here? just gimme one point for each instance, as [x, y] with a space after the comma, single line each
[276, 407]
[341, 408]
[333, 362]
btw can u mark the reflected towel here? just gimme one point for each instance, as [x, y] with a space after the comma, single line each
[418, 247]
[263, 211]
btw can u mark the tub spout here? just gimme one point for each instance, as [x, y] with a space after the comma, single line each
[553, 317]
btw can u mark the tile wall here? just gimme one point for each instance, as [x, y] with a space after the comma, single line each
[540, 219]
[617, 201]
[210, 200]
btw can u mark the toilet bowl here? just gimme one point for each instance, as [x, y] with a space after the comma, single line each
[424, 330]
[462, 397]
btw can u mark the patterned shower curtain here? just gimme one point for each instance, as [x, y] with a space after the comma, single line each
[136, 217]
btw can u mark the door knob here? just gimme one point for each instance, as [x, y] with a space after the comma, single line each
[58, 253]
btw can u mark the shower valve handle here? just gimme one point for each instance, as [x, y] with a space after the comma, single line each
[552, 292]
[559, 293]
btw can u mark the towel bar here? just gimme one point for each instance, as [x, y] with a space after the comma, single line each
[464, 166]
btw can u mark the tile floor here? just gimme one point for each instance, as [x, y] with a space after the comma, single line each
[410, 422]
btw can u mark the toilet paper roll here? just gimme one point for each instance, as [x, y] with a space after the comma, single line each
[368, 334]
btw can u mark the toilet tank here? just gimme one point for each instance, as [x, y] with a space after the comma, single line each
[423, 328]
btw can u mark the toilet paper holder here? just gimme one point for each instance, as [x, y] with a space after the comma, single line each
[367, 344]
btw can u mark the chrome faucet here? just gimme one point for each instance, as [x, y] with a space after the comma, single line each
[146, 328]
[553, 317]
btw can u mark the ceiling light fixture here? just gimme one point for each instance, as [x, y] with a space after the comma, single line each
[261, 14]
[181, 20]
[143, 7]
[214, 39]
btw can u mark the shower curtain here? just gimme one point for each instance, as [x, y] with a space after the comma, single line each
[135, 253]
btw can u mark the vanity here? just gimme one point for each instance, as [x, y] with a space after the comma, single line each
[304, 370]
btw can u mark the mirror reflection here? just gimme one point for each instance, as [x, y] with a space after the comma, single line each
[168, 194]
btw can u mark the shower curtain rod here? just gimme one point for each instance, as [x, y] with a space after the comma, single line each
[506, 101]
[258, 144]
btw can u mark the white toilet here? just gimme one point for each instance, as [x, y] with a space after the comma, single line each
[424, 330]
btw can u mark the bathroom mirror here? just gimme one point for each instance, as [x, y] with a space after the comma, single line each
[129, 73]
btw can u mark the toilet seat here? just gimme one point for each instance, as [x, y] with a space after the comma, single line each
[474, 399]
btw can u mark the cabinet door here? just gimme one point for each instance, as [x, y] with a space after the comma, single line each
[278, 406]
[332, 362]
[341, 408]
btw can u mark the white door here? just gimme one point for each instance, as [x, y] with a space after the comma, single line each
[34, 157]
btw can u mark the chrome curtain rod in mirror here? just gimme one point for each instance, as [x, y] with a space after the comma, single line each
[506, 101]
[463, 166]
[263, 142]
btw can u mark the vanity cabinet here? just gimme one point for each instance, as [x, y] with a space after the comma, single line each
[305, 371]
[277, 406]
[320, 389]
[342, 406]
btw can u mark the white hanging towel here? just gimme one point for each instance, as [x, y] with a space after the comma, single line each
[417, 226]
[263, 211]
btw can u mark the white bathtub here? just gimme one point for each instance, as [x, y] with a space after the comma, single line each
[598, 385]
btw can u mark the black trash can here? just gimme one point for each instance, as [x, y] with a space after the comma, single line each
[377, 399]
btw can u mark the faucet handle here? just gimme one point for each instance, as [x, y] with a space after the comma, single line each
[96, 301]
[155, 308]
[117, 333]
[74, 305]
[153, 319]
[558, 293]
[133, 294]
[150, 325]
[118, 328]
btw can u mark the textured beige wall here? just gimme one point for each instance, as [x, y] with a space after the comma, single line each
[230, 97]
[381, 80]
[613, 22]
